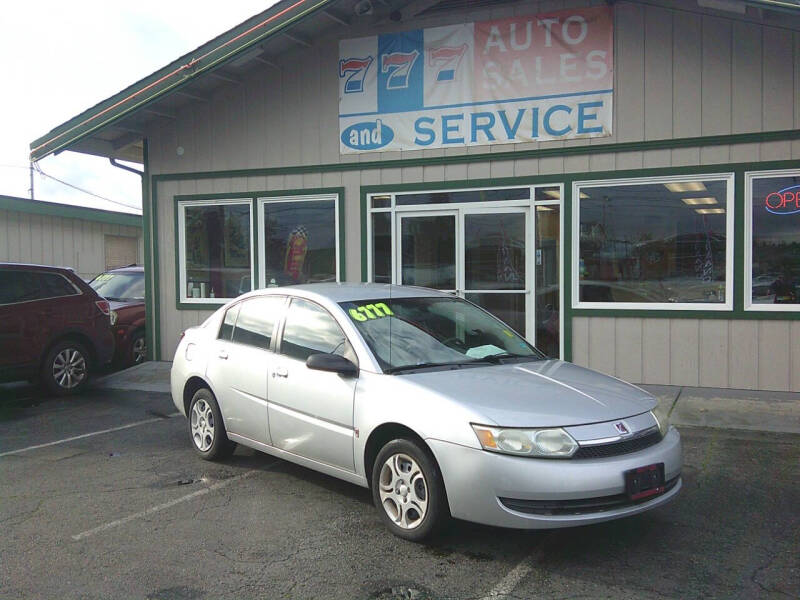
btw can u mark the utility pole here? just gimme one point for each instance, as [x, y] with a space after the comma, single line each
[31, 190]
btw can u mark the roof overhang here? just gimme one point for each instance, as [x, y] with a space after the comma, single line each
[68, 211]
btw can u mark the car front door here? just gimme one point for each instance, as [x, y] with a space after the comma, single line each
[310, 411]
[240, 363]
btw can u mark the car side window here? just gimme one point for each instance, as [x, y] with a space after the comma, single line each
[53, 285]
[256, 321]
[310, 329]
[226, 329]
[19, 286]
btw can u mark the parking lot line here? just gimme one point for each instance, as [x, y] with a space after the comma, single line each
[506, 586]
[86, 435]
[165, 505]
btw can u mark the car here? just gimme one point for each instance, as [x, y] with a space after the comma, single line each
[438, 407]
[54, 328]
[124, 289]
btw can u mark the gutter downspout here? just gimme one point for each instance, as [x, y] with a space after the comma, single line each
[149, 331]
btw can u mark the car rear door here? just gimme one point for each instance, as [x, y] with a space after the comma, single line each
[240, 362]
[26, 318]
[311, 412]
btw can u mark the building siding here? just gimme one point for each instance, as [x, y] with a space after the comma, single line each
[719, 353]
[58, 241]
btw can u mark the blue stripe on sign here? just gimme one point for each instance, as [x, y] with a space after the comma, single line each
[483, 103]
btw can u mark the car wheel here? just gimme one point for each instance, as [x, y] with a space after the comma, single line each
[209, 438]
[66, 368]
[408, 490]
[138, 348]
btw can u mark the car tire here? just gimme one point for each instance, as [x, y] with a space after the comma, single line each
[65, 369]
[138, 349]
[206, 429]
[408, 490]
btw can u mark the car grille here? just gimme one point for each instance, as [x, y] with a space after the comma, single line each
[579, 506]
[621, 447]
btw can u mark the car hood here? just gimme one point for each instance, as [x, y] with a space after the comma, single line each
[120, 304]
[549, 393]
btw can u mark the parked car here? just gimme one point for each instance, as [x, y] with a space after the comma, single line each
[53, 327]
[436, 405]
[124, 289]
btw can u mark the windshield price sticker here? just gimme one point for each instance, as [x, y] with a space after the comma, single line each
[370, 311]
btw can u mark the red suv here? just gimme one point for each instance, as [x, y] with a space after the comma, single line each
[124, 289]
[53, 327]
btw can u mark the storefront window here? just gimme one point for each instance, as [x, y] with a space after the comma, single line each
[775, 240]
[655, 242]
[216, 256]
[299, 241]
[382, 247]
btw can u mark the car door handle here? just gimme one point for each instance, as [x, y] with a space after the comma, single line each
[281, 372]
[223, 355]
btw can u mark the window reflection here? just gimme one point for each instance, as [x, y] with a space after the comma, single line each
[311, 330]
[299, 242]
[653, 243]
[217, 250]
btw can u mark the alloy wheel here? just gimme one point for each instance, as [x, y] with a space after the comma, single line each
[69, 368]
[403, 491]
[202, 423]
[139, 350]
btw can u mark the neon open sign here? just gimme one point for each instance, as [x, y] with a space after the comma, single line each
[784, 202]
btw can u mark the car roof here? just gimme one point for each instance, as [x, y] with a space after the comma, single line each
[353, 292]
[35, 267]
[128, 269]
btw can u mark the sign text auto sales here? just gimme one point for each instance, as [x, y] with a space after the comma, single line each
[507, 81]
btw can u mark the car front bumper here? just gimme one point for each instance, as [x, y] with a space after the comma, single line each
[476, 480]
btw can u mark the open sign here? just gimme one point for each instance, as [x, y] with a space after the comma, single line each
[784, 202]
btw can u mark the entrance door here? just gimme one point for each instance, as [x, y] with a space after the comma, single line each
[495, 259]
[428, 249]
[480, 254]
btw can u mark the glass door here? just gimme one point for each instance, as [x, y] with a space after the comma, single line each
[427, 249]
[496, 264]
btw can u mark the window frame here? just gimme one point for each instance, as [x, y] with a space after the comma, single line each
[730, 242]
[261, 201]
[749, 176]
[181, 250]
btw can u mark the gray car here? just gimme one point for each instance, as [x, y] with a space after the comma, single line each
[434, 404]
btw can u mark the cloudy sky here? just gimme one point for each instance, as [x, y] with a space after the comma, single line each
[59, 58]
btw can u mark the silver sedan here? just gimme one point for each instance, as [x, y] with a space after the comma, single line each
[434, 404]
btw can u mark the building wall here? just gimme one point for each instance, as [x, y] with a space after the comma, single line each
[59, 241]
[678, 73]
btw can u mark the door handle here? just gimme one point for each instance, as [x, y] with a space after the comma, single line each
[281, 372]
[223, 355]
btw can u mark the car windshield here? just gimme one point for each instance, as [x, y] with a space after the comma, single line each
[412, 333]
[119, 286]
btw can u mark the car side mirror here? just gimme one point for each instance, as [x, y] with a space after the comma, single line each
[332, 363]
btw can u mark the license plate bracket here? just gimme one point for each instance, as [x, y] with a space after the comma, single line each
[643, 482]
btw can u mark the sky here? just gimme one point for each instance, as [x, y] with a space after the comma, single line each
[60, 58]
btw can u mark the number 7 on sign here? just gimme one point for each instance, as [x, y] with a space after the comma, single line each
[355, 69]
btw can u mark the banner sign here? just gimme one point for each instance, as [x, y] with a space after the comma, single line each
[523, 79]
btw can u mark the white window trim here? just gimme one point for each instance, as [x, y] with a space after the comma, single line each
[644, 306]
[749, 176]
[530, 203]
[182, 205]
[262, 267]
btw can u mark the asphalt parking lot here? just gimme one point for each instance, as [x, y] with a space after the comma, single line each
[102, 497]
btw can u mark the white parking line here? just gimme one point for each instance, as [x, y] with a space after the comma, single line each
[86, 435]
[165, 505]
[506, 586]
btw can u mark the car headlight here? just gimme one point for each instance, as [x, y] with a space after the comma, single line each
[542, 443]
[661, 414]
[113, 316]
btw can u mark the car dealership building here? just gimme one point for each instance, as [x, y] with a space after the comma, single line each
[620, 181]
